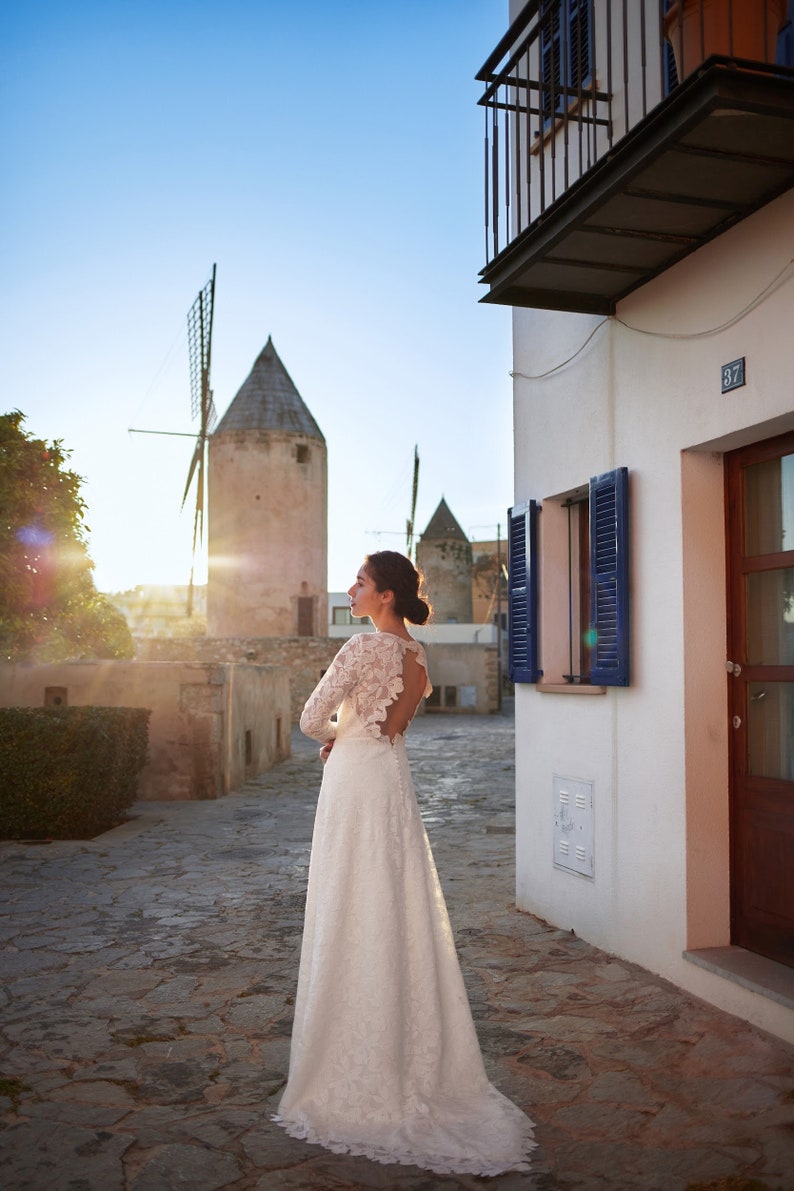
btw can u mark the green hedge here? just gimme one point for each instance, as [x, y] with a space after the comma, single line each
[68, 772]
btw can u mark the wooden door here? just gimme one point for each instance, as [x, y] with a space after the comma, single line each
[760, 516]
[305, 616]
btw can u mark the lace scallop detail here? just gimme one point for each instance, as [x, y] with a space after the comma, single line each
[382, 680]
[368, 669]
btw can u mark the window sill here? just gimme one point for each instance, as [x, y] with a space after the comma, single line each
[754, 972]
[569, 688]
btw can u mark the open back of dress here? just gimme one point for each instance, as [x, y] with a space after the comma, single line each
[402, 710]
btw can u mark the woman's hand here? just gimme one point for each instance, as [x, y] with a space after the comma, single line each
[325, 751]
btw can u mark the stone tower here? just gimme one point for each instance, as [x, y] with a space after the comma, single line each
[268, 512]
[443, 554]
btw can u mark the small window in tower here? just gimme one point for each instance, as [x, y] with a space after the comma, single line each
[302, 453]
[305, 616]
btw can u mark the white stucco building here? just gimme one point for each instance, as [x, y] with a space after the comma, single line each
[642, 229]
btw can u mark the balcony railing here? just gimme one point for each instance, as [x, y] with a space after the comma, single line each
[571, 78]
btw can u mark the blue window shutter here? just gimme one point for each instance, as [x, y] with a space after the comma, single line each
[522, 549]
[565, 51]
[609, 578]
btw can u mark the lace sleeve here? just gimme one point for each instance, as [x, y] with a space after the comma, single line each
[327, 696]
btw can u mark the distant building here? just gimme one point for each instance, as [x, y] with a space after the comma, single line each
[489, 582]
[266, 599]
[268, 512]
[464, 652]
[443, 555]
[160, 610]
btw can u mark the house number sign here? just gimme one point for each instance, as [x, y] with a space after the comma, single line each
[733, 375]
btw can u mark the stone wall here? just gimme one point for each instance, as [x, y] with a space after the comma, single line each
[211, 727]
[304, 658]
[465, 679]
[469, 668]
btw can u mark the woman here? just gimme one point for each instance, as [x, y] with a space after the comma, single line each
[385, 1060]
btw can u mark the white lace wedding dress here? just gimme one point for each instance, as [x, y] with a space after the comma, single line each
[385, 1061]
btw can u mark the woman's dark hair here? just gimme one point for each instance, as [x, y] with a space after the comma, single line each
[391, 571]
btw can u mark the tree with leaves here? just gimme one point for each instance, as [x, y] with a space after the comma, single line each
[50, 609]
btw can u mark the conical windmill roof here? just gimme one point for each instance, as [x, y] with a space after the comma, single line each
[442, 525]
[268, 400]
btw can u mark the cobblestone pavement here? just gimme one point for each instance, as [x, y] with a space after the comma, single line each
[149, 975]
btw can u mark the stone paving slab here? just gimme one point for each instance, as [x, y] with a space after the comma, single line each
[149, 977]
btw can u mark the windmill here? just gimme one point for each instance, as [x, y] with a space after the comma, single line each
[199, 340]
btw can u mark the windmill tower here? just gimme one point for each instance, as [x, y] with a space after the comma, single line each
[267, 531]
[444, 557]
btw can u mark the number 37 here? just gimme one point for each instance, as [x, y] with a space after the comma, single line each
[733, 375]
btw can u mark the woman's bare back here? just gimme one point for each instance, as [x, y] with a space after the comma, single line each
[400, 712]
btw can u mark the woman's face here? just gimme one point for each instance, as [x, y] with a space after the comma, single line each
[365, 599]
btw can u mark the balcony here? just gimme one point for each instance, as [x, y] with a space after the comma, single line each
[620, 137]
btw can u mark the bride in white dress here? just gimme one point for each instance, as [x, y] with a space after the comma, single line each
[385, 1061]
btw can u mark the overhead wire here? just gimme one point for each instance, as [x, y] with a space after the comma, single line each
[777, 281]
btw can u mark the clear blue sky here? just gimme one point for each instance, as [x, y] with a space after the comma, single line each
[327, 154]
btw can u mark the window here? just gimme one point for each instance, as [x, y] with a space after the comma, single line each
[302, 453]
[305, 616]
[591, 565]
[580, 636]
[564, 52]
[340, 614]
[445, 698]
[522, 593]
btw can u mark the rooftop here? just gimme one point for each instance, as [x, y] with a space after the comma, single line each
[268, 400]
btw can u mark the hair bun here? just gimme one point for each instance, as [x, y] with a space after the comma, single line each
[419, 612]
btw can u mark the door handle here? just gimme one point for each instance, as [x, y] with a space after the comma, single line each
[737, 721]
[733, 668]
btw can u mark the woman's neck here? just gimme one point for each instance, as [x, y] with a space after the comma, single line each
[389, 622]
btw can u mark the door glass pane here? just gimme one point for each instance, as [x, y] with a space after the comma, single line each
[769, 506]
[770, 618]
[770, 729]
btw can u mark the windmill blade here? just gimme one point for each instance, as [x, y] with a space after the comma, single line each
[199, 338]
[196, 461]
[199, 331]
[211, 416]
[416, 483]
[198, 517]
[411, 520]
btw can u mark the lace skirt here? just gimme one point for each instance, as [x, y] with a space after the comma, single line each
[385, 1060]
